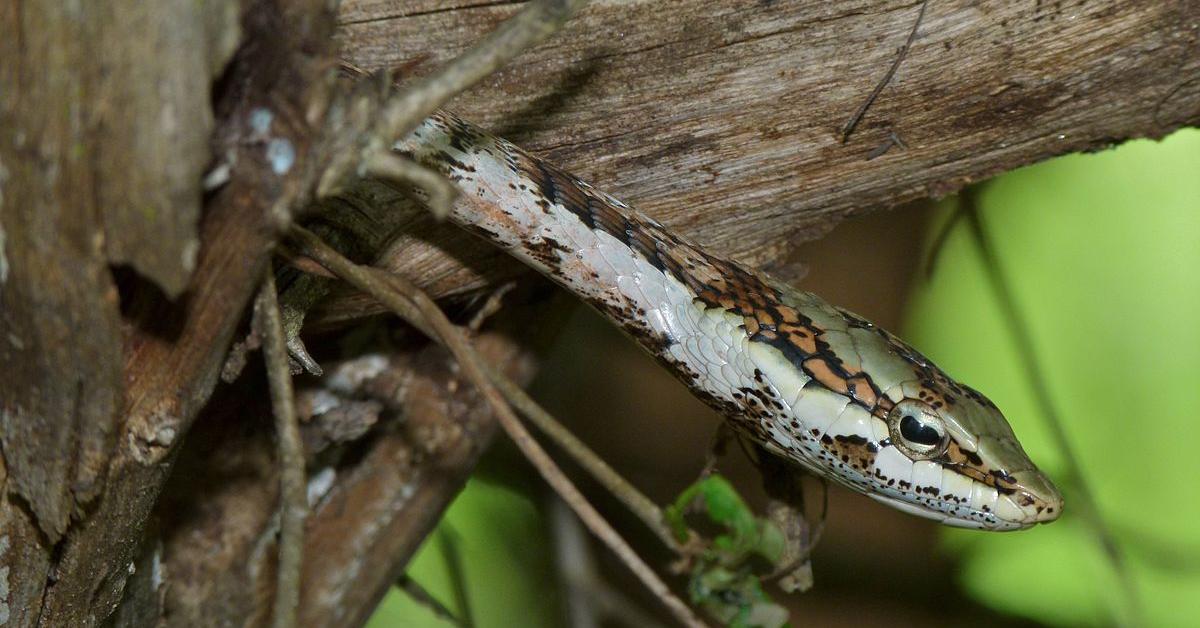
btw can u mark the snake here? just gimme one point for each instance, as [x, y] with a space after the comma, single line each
[807, 381]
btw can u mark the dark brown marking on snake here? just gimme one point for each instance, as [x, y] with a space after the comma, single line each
[547, 250]
[483, 232]
[464, 137]
[446, 157]
[556, 187]
[853, 450]
[854, 321]
[970, 464]
[658, 343]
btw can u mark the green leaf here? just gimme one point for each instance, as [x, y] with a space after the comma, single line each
[723, 580]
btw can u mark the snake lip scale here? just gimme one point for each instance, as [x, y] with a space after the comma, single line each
[806, 380]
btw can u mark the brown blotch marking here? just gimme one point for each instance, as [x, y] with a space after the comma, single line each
[765, 319]
[546, 250]
[863, 389]
[932, 395]
[766, 335]
[800, 338]
[823, 373]
[971, 465]
[853, 449]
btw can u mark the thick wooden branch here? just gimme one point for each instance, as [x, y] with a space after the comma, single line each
[722, 117]
[113, 415]
[104, 142]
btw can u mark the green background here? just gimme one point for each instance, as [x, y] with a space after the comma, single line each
[1102, 254]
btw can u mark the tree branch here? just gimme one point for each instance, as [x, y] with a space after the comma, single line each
[723, 121]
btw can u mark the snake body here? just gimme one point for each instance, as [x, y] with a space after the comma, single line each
[804, 379]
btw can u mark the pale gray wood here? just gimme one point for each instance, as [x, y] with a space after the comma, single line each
[721, 117]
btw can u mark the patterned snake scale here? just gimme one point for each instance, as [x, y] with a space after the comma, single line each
[804, 379]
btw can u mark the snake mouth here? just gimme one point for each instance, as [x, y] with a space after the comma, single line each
[1017, 511]
[1037, 497]
[962, 518]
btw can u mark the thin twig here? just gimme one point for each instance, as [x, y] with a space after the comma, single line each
[423, 597]
[852, 123]
[412, 304]
[590, 598]
[786, 508]
[1041, 392]
[716, 448]
[448, 542]
[939, 242]
[635, 500]
[886, 145]
[292, 491]
[490, 306]
[576, 567]
[439, 190]
[402, 111]
[538, 20]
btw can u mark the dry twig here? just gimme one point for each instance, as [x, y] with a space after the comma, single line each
[391, 167]
[292, 493]
[428, 600]
[408, 301]
[857, 117]
[538, 20]
[490, 306]
[642, 506]
[406, 108]
[590, 598]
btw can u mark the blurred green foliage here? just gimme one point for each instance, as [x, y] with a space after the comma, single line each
[1102, 254]
[722, 578]
[492, 548]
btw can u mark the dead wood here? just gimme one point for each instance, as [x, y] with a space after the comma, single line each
[723, 118]
[376, 490]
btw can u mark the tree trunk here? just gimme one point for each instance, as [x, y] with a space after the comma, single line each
[152, 152]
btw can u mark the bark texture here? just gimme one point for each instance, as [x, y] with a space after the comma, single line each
[390, 438]
[722, 118]
[171, 140]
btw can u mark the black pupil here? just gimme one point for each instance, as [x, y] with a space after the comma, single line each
[917, 432]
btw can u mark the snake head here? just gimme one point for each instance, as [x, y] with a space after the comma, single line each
[967, 467]
[866, 410]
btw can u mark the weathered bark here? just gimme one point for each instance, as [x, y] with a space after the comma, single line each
[84, 109]
[77, 197]
[385, 460]
[62, 348]
[719, 117]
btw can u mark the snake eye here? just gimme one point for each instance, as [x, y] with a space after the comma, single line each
[914, 431]
[917, 430]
